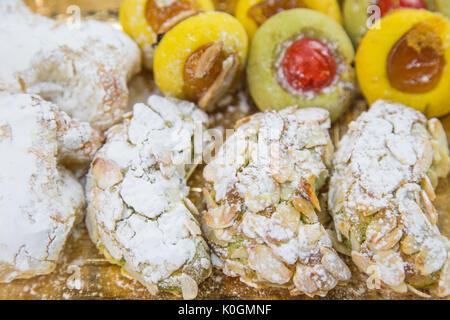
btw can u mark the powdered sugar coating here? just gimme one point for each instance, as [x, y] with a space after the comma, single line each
[40, 199]
[261, 219]
[137, 194]
[380, 196]
[83, 69]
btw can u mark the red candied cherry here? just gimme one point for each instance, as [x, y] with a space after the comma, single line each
[308, 65]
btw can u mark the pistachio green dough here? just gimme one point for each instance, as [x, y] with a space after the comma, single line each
[355, 17]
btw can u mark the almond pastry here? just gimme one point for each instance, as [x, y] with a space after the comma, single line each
[138, 212]
[82, 68]
[40, 198]
[262, 218]
[385, 172]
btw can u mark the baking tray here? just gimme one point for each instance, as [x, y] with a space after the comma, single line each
[82, 273]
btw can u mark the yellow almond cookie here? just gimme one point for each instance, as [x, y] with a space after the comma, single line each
[201, 58]
[143, 20]
[405, 61]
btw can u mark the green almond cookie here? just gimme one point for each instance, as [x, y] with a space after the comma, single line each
[286, 57]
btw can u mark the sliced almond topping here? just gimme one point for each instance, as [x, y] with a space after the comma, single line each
[401, 149]
[428, 187]
[335, 134]
[189, 287]
[207, 59]
[305, 207]
[429, 207]
[381, 226]
[191, 207]
[327, 153]
[424, 216]
[106, 173]
[324, 280]
[267, 265]
[307, 192]
[337, 245]
[234, 268]
[362, 262]
[303, 279]
[424, 156]
[437, 130]
[305, 200]
[254, 225]
[287, 217]
[311, 237]
[342, 226]
[334, 264]
[221, 85]
[192, 227]
[280, 174]
[390, 240]
[409, 245]
[221, 217]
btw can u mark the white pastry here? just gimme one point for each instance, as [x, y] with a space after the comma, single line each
[82, 68]
[40, 199]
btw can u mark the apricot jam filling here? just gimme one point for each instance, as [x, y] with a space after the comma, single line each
[308, 65]
[160, 13]
[389, 5]
[264, 10]
[416, 62]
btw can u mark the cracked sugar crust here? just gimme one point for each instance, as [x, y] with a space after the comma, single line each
[385, 170]
[138, 210]
[261, 194]
[83, 69]
[40, 199]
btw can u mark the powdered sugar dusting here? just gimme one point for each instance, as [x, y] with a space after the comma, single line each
[40, 200]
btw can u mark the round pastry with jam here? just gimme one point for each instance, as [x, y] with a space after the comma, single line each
[357, 13]
[301, 57]
[201, 59]
[253, 13]
[405, 61]
[144, 20]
